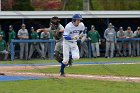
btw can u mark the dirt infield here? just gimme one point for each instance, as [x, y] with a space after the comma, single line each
[11, 71]
[96, 77]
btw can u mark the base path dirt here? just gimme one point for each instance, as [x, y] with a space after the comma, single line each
[11, 71]
[96, 77]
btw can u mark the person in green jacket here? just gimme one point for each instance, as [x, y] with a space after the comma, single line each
[2, 32]
[94, 36]
[3, 48]
[12, 35]
[34, 46]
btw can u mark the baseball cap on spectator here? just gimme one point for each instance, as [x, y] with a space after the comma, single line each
[10, 26]
[32, 27]
[138, 28]
[110, 25]
[92, 26]
[129, 28]
[120, 28]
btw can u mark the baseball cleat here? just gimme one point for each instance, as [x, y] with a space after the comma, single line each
[62, 75]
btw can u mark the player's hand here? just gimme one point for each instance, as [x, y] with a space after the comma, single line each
[75, 38]
[89, 38]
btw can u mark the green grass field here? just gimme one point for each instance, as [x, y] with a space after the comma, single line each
[67, 85]
[38, 61]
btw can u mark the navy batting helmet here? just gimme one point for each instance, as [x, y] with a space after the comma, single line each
[76, 16]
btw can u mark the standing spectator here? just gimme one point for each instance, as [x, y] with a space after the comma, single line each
[45, 46]
[110, 36]
[23, 35]
[129, 34]
[95, 38]
[34, 46]
[12, 35]
[120, 44]
[3, 48]
[84, 47]
[2, 32]
[137, 35]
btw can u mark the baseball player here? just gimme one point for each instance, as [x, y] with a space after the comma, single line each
[45, 35]
[23, 34]
[110, 36]
[2, 32]
[84, 47]
[3, 48]
[120, 44]
[12, 35]
[137, 45]
[34, 46]
[94, 36]
[56, 30]
[72, 32]
[129, 34]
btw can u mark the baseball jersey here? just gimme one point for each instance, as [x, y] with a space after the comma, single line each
[110, 35]
[129, 34]
[45, 35]
[34, 35]
[2, 33]
[136, 34]
[120, 34]
[53, 32]
[22, 32]
[72, 30]
[12, 35]
[95, 36]
[2, 45]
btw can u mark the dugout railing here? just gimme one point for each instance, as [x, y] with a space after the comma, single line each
[13, 42]
[52, 42]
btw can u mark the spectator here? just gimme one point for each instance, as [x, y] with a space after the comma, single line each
[94, 36]
[110, 36]
[12, 35]
[34, 46]
[128, 34]
[3, 48]
[137, 35]
[23, 35]
[2, 32]
[120, 44]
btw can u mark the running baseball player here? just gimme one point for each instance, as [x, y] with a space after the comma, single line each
[72, 32]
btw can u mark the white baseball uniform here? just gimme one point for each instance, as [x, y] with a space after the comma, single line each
[70, 45]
